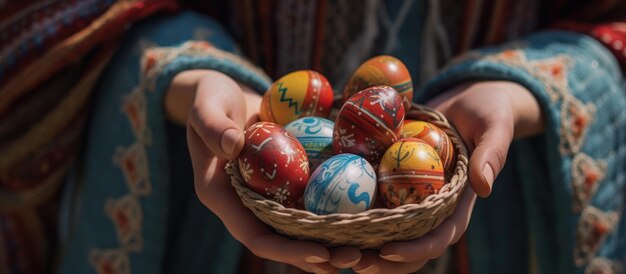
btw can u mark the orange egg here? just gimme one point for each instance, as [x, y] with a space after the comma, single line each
[433, 136]
[409, 172]
[381, 70]
[298, 94]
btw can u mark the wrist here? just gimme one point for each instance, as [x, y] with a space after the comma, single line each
[527, 114]
[181, 94]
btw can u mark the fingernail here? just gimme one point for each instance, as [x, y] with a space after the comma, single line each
[488, 174]
[318, 270]
[392, 257]
[369, 269]
[315, 260]
[350, 263]
[230, 138]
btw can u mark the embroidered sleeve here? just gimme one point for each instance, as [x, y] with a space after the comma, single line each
[579, 86]
[163, 63]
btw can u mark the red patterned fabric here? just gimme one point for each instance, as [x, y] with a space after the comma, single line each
[28, 28]
[46, 71]
[80, 43]
[604, 20]
[611, 34]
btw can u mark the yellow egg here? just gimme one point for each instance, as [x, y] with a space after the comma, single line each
[433, 136]
[298, 94]
[409, 172]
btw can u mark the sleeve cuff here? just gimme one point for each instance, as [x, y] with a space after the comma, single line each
[160, 65]
[536, 62]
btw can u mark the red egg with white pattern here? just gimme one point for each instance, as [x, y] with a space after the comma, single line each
[432, 135]
[273, 163]
[369, 122]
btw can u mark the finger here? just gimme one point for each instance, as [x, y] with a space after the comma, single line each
[218, 115]
[435, 243]
[253, 105]
[370, 263]
[199, 153]
[443, 101]
[344, 257]
[218, 196]
[489, 156]
[277, 248]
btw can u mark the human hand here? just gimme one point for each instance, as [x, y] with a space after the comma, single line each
[487, 115]
[216, 110]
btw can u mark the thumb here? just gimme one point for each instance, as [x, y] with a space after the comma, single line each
[222, 136]
[218, 117]
[489, 157]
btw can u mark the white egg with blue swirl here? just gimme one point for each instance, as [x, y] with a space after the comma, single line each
[316, 136]
[345, 183]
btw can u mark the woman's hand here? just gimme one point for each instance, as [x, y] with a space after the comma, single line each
[487, 115]
[215, 110]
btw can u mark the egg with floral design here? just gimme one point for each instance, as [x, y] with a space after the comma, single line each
[369, 122]
[432, 135]
[345, 183]
[315, 134]
[273, 163]
[298, 94]
[409, 172]
[381, 70]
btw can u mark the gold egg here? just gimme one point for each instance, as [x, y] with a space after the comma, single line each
[409, 171]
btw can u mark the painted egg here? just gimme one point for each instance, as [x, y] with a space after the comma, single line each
[432, 135]
[315, 134]
[298, 94]
[381, 70]
[345, 183]
[369, 122]
[273, 163]
[409, 172]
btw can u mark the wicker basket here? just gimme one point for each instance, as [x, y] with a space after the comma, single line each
[372, 228]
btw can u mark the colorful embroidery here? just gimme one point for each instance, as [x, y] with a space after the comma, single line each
[111, 261]
[593, 228]
[134, 106]
[576, 118]
[604, 266]
[156, 59]
[586, 176]
[126, 213]
[45, 23]
[134, 164]
[127, 216]
[552, 72]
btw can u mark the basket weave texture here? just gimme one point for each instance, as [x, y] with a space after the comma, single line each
[372, 228]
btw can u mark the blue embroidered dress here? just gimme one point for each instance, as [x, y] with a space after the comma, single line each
[137, 211]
